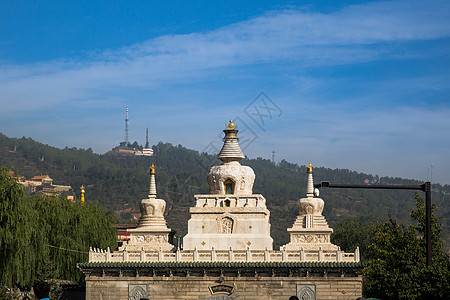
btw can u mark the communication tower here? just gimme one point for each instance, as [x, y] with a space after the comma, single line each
[146, 139]
[127, 123]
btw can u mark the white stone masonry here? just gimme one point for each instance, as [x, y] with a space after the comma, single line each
[310, 229]
[152, 232]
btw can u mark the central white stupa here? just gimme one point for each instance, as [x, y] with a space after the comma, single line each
[231, 216]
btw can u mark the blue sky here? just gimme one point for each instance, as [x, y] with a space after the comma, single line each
[350, 84]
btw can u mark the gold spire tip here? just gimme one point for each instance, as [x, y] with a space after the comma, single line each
[231, 126]
[152, 169]
[310, 168]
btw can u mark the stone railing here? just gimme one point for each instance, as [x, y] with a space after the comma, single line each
[99, 255]
[247, 201]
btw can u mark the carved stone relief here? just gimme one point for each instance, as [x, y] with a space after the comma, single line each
[137, 291]
[157, 239]
[306, 291]
[227, 225]
[310, 238]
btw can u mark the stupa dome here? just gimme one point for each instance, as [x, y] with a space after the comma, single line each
[231, 177]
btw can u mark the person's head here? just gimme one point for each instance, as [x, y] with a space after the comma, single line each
[293, 298]
[41, 290]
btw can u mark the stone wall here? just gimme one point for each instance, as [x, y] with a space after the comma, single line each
[251, 288]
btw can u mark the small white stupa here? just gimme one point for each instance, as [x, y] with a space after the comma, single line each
[152, 233]
[310, 230]
[231, 216]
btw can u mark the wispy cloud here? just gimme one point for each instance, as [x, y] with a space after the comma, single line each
[180, 77]
[346, 36]
[400, 141]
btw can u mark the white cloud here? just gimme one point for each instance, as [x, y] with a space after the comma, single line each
[398, 141]
[296, 37]
[345, 36]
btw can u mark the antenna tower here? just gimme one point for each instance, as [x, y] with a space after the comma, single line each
[146, 139]
[127, 123]
[273, 156]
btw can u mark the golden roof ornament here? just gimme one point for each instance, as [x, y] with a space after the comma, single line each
[82, 193]
[310, 168]
[231, 126]
[152, 169]
[230, 131]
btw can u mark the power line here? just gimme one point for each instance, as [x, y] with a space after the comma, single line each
[66, 249]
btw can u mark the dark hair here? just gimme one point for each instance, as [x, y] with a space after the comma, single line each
[41, 289]
[293, 298]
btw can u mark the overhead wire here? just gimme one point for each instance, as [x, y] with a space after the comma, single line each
[66, 249]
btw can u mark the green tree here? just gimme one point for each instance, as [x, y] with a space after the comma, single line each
[397, 265]
[350, 233]
[20, 237]
[43, 237]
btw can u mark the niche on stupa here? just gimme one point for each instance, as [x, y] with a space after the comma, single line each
[228, 186]
[147, 208]
[226, 224]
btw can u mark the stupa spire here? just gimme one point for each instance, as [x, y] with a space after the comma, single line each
[310, 182]
[152, 191]
[231, 150]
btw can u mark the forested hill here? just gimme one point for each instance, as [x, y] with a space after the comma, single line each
[120, 182]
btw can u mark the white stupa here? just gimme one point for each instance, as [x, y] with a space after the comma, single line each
[231, 216]
[152, 232]
[310, 230]
[230, 224]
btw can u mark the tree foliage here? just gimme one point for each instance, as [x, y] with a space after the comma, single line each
[350, 233]
[397, 265]
[43, 237]
[120, 182]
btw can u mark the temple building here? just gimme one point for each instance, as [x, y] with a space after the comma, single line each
[231, 216]
[228, 251]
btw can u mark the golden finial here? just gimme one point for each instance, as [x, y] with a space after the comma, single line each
[310, 168]
[82, 194]
[152, 169]
[231, 126]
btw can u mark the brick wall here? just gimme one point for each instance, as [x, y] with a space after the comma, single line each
[251, 288]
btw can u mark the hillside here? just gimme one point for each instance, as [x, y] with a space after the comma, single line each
[120, 182]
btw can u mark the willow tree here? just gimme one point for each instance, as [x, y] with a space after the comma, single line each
[71, 228]
[43, 237]
[20, 236]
